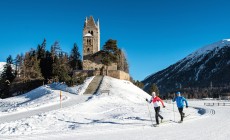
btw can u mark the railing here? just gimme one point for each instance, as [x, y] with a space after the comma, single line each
[217, 104]
[105, 91]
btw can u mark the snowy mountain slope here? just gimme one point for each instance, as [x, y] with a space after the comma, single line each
[124, 108]
[210, 63]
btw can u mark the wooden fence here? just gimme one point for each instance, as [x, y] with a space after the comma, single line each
[217, 104]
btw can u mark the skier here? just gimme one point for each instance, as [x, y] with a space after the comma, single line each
[155, 99]
[180, 104]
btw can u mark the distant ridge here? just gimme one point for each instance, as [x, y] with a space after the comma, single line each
[209, 64]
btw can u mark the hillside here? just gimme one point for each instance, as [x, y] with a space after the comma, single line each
[123, 108]
[208, 66]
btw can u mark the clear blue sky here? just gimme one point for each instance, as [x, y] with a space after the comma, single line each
[154, 33]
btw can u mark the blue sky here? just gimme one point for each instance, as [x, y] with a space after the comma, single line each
[153, 33]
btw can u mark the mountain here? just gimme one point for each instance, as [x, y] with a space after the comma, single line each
[208, 66]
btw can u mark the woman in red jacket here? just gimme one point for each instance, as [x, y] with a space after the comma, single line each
[155, 99]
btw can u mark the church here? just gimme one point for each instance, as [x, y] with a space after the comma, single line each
[93, 66]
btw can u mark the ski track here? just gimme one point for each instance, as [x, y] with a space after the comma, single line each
[191, 128]
[70, 101]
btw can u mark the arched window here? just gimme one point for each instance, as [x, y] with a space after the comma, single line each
[88, 50]
[88, 31]
[91, 32]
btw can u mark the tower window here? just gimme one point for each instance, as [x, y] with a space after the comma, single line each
[91, 32]
[88, 31]
[88, 50]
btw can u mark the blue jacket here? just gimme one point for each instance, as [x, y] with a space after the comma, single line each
[179, 101]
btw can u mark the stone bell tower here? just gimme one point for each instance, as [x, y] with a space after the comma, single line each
[91, 37]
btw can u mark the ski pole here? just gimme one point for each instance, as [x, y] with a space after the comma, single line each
[150, 114]
[173, 112]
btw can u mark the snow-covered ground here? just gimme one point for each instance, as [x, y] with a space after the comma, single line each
[120, 114]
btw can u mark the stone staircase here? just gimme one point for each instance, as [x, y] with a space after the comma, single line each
[94, 85]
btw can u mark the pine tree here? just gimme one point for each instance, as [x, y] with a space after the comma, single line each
[110, 53]
[41, 56]
[7, 78]
[55, 49]
[47, 69]
[41, 50]
[155, 89]
[122, 61]
[31, 69]
[75, 58]
[60, 66]
[139, 84]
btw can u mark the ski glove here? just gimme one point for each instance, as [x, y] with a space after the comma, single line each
[186, 106]
[146, 100]
[163, 106]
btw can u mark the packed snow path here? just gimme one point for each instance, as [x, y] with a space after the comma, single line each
[214, 126]
[72, 100]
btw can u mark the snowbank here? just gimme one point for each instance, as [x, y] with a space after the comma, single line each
[38, 97]
[80, 89]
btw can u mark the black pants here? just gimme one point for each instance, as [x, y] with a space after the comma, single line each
[157, 110]
[181, 113]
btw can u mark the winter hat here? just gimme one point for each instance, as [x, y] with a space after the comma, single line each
[153, 93]
[178, 93]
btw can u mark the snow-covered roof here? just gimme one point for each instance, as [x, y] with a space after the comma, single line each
[88, 34]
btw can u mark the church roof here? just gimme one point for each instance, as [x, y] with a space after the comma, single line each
[88, 34]
[90, 22]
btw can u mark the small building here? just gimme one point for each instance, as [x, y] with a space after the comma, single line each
[225, 96]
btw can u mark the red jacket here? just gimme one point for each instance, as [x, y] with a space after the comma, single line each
[156, 100]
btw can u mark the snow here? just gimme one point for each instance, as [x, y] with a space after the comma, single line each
[205, 49]
[120, 114]
[80, 89]
[88, 34]
[196, 57]
[2, 66]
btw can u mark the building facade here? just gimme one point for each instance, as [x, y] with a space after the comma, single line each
[91, 52]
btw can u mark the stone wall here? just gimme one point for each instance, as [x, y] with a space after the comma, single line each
[89, 65]
[119, 74]
[112, 73]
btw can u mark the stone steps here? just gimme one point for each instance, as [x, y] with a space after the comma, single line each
[94, 85]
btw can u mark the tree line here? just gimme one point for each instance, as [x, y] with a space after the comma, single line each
[41, 66]
[38, 66]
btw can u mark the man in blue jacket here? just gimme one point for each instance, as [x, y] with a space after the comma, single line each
[180, 104]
